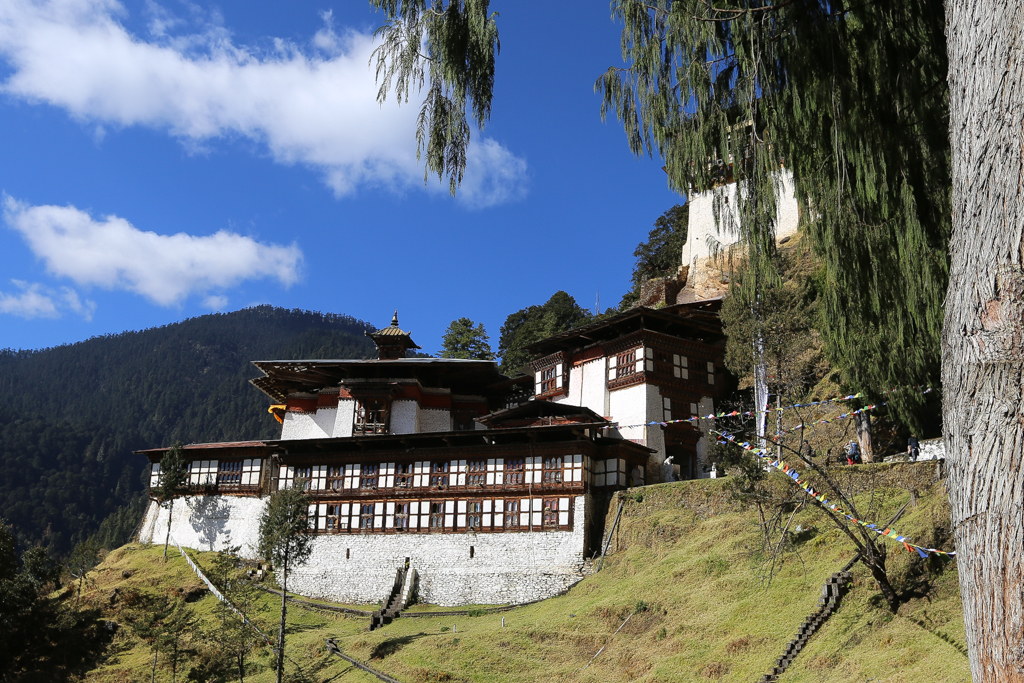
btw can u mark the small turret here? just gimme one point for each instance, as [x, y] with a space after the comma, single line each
[392, 342]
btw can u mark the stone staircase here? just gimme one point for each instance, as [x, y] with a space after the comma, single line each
[398, 599]
[831, 593]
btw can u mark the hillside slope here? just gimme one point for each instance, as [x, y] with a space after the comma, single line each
[71, 415]
[686, 572]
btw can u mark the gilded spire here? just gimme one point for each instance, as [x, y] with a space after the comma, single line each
[394, 320]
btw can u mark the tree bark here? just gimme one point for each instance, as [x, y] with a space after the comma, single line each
[983, 335]
[862, 423]
[284, 611]
[167, 538]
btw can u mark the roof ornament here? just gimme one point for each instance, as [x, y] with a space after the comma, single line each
[394, 320]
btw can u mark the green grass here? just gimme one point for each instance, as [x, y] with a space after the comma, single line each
[687, 567]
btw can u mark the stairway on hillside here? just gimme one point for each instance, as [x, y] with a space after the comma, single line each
[831, 593]
[397, 600]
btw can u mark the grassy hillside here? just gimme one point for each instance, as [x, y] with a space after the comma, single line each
[70, 416]
[686, 566]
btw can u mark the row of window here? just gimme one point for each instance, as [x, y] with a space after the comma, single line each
[225, 473]
[438, 473]
[519, 514]
[626, 364]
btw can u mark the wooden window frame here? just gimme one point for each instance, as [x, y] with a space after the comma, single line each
[549, 513]
[369, 476]
[511, 512]
[366, 516]
[553, 470]
[476, 514]
[401, 516]
[625, 363]
[476, 472]
[404, 475]
[440, 473]
[436, 512]
[371, 416]
[515, 471]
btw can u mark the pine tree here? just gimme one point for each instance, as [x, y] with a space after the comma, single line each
[285, 541]
[464, 339]
[660, 255]
[172, 481]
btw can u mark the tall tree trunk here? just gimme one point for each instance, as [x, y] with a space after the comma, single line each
[983, 335]
[862, 423]
[284, 611]
[167, 538]
[156, 653]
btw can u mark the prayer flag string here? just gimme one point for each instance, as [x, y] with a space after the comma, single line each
[736, 413]
[789, 471]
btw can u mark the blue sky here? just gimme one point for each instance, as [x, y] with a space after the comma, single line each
[165, 160]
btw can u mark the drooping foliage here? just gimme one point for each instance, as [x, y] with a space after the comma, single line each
[464, 339]
[660, 255]
[851, 98]
[533, 323]
[452, 48]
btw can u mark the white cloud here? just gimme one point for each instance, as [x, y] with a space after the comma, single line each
[113, 254]
[36, 301]
[316, 107]
[216, 302]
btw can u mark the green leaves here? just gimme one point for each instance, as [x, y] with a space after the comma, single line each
[172, 479]
[452, 49]
[529, 325]
[463, 339]
[284, 527]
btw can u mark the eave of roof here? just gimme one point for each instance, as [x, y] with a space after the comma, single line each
[700, 317]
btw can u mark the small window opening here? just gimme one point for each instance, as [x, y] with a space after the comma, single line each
[348, 553]
[471, 552]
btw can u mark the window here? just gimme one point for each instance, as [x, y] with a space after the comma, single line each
[202, 472]
[401, 517]
[511, 514]
[366, 516]
[553, 470]
[368, 477]
[625, 364]
[514, 468]
[666, 404]
[711, 373]
[334, 517]
[439, 473]
[306, 475]
[335, 478]
[437, 515]
[680, 366]
[477, 474]
[547, 380]
[474, 509]
[403, 475]
[550, 518]
[371, 417]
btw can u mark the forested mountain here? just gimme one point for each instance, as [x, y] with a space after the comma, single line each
[72, 415]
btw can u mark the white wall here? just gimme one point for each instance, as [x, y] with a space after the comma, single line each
[404, 416]
[435, 420]
[703, 229]
[207, 523]
[629, 407]
[505, 568]
[309, 425]
[345, 415]
[587, 384]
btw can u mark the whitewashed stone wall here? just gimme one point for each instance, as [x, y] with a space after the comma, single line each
[703, 230]
[587, 384]
[629, 407]
[505, 567]
[345, 416]
[435, 420]
[309, 425]
[207, 523]
[404, 414]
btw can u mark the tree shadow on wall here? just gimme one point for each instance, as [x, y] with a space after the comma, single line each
[209, 519]
[390, 646]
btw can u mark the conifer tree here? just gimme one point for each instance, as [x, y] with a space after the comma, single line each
[172, 481]
[463, 339]
[285, 541]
